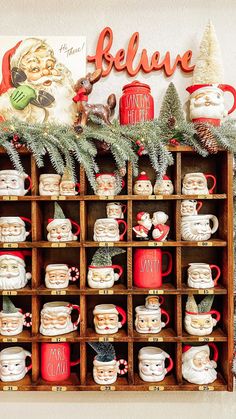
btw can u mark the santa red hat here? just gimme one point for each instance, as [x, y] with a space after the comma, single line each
[141, 216]
[18, 256]
[190, 351]
[6, 82]
[195, 89]
[104, 174]
[165, 177]
[143, 176]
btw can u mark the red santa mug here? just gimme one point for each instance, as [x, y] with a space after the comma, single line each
[55, 361]
[147, 271]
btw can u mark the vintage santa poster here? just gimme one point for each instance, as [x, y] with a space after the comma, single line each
[37, 77]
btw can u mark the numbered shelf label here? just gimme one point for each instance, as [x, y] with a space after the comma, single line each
[106, 197]
[206, 339]
[59, 339]
[9, 292]
[10, 245]
[156, 292]
[106, 244]
[59, 388]
[155, 197]
[10, 340]
[204, 197]
[206, 291]
[107, 388]
[106, 339]
[156, 388]
[155, 339]
[58, 244]
[10, 388]
[58, 292]
[10, 198]
[104, 292]
[205, 244]
[206, 388]
[155, 244]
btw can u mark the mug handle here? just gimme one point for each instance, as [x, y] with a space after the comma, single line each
[125, 224]
[216, 313]
[215, 223]
[228, 88]
[30, 183]
[27, 220]
[123, 315]
[215, 351]
[171, 364]
[218, 273]
[199, 205]
[120, 269]
[29, 322]
[27, 353]
[76, 274]
[214, 182]
[77, 185]
[125, 208]
[125, 365]
[75, 307]
[167, 316]
[169, 269]
[72, 363]
[122, 183]
[77, 226]
[161, 299]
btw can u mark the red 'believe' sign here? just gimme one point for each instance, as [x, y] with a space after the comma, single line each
[124, 60]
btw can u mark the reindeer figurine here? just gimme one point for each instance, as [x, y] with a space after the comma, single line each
[83, 88]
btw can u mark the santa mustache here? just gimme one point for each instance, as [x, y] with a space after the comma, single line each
[106, 327]
[45, 79]
[201, 102]
[9, 275]
[207, 366]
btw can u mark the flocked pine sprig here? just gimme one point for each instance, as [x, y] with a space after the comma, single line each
[225, 134]
[105, 351]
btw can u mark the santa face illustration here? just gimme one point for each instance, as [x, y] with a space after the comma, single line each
[12, 274]
[207, 102]
[199, 369]
[41, 89]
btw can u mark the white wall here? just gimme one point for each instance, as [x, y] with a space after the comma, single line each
[174, 25]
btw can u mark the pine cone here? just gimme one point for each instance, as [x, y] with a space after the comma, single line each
[206, 138]
[171, 122]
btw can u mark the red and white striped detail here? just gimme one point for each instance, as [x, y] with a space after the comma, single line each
[74, 273]
[27, 323]
[125, 366]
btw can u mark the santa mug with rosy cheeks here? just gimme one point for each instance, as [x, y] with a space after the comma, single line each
[197, 227]
[190, 207]
[152, 364]
[12, 324]
[153, 302]
[143, 187]
[196, 184]
[149, 320]
[68, 188]
[116, 210]
[106, 318]
[13, 230]
[49, 184]
[107, 230]
[107, 184]
[103, 276]
[12, 182]
[12, 272]
[197, 368]
[56, 318]
[200, 324]
[200, 275]
[13, 363]
[58, 275]
[60, 230]
[105, 373]
[164, 186]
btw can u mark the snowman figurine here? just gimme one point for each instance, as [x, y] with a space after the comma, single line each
[161, 230]
[144, 225]
[142, 185]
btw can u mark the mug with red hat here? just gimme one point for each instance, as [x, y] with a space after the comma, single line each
[144, 225]
[106, 318]
[12, 319]
[12, 182]
[207, 102]
[108, 184]
[142, 185]
[196, 183]
[152, 364]
[12, 229]
[164, 186]
[197, 368]
[12, 269]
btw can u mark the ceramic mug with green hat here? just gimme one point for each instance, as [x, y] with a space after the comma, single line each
[199, 320]
[60, 228]
[12, 319]
[101, 272]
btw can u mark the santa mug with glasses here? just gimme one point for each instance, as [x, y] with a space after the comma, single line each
[56, 318]
[197, 184]
[151, 365]
[107, 229]
[13, 230]
[106, 318]
[200, 275]
[12, 182]
[13, 363]
[59, 275]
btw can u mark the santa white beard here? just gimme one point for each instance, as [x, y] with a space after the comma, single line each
[195, 191]
[11, 238]
[214, 110]
[204, 375]
[54, 328]
[11, 191]
[200, 283]
[63, 110]
[14, 281]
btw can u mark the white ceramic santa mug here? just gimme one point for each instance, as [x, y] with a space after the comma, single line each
[116, 210]
[196, 184]
[150, 320]
[197, 368]
[13, 230]
[200, 324]
[164, 186]
[107, 229]
[105, 373]
[56, 318]
[49, 184]
[197, 227]
[12, 182]
[13, 363]
[142, 185]
[59, 275]
[69, 188]
[152, 364]
[200, 275]
[207, 102]
[13, 274]
[103, 276]
[12, 324]
[106, 318]
[107, 184]
[60, 230]
[190, 207]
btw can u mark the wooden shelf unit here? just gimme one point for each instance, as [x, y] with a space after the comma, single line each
[85, 209]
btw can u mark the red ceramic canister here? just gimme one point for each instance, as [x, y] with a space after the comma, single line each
[55, 361]
[136, 103]
[148, 267]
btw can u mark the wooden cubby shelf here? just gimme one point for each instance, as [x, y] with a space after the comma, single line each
[85, 208]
